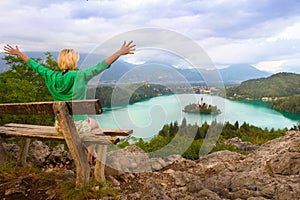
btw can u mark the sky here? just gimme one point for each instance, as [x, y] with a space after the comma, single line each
[263, 33]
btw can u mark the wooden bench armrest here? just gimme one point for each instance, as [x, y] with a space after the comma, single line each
[112, 132]
[93, 139]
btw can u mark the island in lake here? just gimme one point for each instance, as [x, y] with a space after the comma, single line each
[202, 108]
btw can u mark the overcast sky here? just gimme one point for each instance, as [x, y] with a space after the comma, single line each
[264, 33]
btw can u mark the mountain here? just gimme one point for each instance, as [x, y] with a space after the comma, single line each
[3, 66]
[277, 85]
[241, 72]
[154, 72]
[159, 71]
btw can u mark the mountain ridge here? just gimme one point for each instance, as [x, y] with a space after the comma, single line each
[281, 84]
[160, 71]
[249, 72]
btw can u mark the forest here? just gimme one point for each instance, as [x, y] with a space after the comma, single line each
[288, 104]
[127, 94]
[282, 88]
[173, 137]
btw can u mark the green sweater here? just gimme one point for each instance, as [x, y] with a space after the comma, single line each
[69, 86]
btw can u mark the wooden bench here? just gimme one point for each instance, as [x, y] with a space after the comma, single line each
[75, 142]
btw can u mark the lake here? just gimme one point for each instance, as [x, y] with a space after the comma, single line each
[147, 117]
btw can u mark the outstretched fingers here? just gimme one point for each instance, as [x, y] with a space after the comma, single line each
[10, 50]
[128, 48]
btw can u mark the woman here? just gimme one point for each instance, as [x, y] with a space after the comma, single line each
[71, 83]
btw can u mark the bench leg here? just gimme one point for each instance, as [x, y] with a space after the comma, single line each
[3, 154]
[23, 152]
[76, 147]
[100, 163]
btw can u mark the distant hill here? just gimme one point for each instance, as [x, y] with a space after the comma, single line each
[160, 72]
[277, 85]
[241, 72]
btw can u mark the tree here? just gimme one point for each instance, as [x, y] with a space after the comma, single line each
[173, 129]
[183, 123]
[21, 84]
[164, 131]
[245, 127]
[236, 125]
[296, 127]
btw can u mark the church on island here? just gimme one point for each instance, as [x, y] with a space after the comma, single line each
[202, 108]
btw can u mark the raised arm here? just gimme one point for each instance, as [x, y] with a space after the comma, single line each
[127, 48]
[15, 51]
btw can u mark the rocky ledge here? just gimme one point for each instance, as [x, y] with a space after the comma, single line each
[269, 171]
[272, 171]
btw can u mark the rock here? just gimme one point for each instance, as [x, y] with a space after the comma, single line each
[207, 194]
[172, 158]
[58, 155]
[12, 149]
[287, 163]
[269, 172]
[256, 174]
[38, 153]
[113, 181]
[243, 146]
[169, 171]
[133, 149]
[153, 191]
[219, 161]
[194, 186]
[134, 160]
[182, 178]
[125, 160]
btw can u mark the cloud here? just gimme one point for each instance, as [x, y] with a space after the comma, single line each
[271, 66]
[247, 31]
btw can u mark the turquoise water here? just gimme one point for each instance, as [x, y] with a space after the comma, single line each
[146, 118]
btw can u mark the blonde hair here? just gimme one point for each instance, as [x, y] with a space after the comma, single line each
[67, 59]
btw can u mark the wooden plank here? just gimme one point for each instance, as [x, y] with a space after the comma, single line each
[93, 139]
[29, 126]
[76, 147]
[46, 108]
[43, 132]
[49, 132]
[51, 129]
[112, 132]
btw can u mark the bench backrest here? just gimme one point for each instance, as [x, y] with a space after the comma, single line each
[46, 108]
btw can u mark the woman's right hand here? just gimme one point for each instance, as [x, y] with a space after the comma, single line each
[128, 48]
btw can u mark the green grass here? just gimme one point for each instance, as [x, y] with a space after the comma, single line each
[92, 190]
[39, 181]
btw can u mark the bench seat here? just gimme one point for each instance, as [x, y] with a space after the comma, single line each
[76, 143]
[96, 136]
